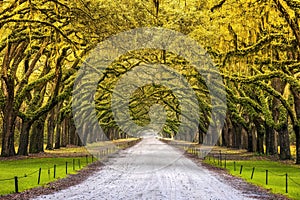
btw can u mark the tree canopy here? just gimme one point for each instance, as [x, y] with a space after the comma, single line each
[253, 43]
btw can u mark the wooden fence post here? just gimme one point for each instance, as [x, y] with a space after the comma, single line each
[39, 177]
[54, 173]
[16, 184]
[234, 166]
[252, 172]
[220, 158]
[66, 167]
[49, 173]
[286, 183]
[267, 173]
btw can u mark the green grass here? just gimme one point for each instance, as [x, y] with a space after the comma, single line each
[28, 169]
[276, 175]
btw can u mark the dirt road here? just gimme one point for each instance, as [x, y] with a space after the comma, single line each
[150, 170]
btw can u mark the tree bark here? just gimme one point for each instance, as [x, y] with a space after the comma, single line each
[13, 54]
[297, 124]
[37, 136]
[297, 132]
[260, 135]
[24, 138]
[271, 148]
[250, 140]
[50, 130]
[57, 136]
[237, 131]
[200, 136]
[280, 117]
[8, 128]
[284, 141]
[65, 132]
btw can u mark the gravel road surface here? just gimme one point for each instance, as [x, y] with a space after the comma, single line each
[150, 170]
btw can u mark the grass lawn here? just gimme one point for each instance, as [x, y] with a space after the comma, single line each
[276, 175]
[27, 168]
[277, 169]
[27, 171]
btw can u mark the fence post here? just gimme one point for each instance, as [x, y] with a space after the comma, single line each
[225, 161]
[66, 167]
[39, 177]
[54, 173]
[79, 163]
[221, 158]
[241, 169]
[16, 185]
[73, 164]
[286, 183]
[267, 177]
[86, 159]
[234, 166]
[252, 172]
[49, 173]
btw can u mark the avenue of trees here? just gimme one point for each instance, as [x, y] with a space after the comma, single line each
[254, 44]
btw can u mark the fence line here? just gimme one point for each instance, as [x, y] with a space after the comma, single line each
[277, 174]
[223, 158]
[287, 177]
[107, 151]
[294, 181]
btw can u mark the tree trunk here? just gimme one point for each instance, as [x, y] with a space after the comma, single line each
[64, 135]
[279, 117]
[200, 136]
[284, 140]
[37, 136]
[9, 111]
[73, 137]
[8, 128]
[237, 132]
[24, 138]
[57, 136]
[297, 124]
[260, 135]
[271, 148]
[50, 130]
[297, 132]
[225, 132]
[250, 140]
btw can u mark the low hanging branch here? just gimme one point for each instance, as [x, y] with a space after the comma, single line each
[253, 48]
[3, 22]
[276, 74]
[292, 22]
[217, 6]
[156, 5]
[277, 95]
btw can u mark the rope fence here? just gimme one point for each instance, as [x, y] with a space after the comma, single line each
[39, 173]
[74, 164]
[221, 160]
